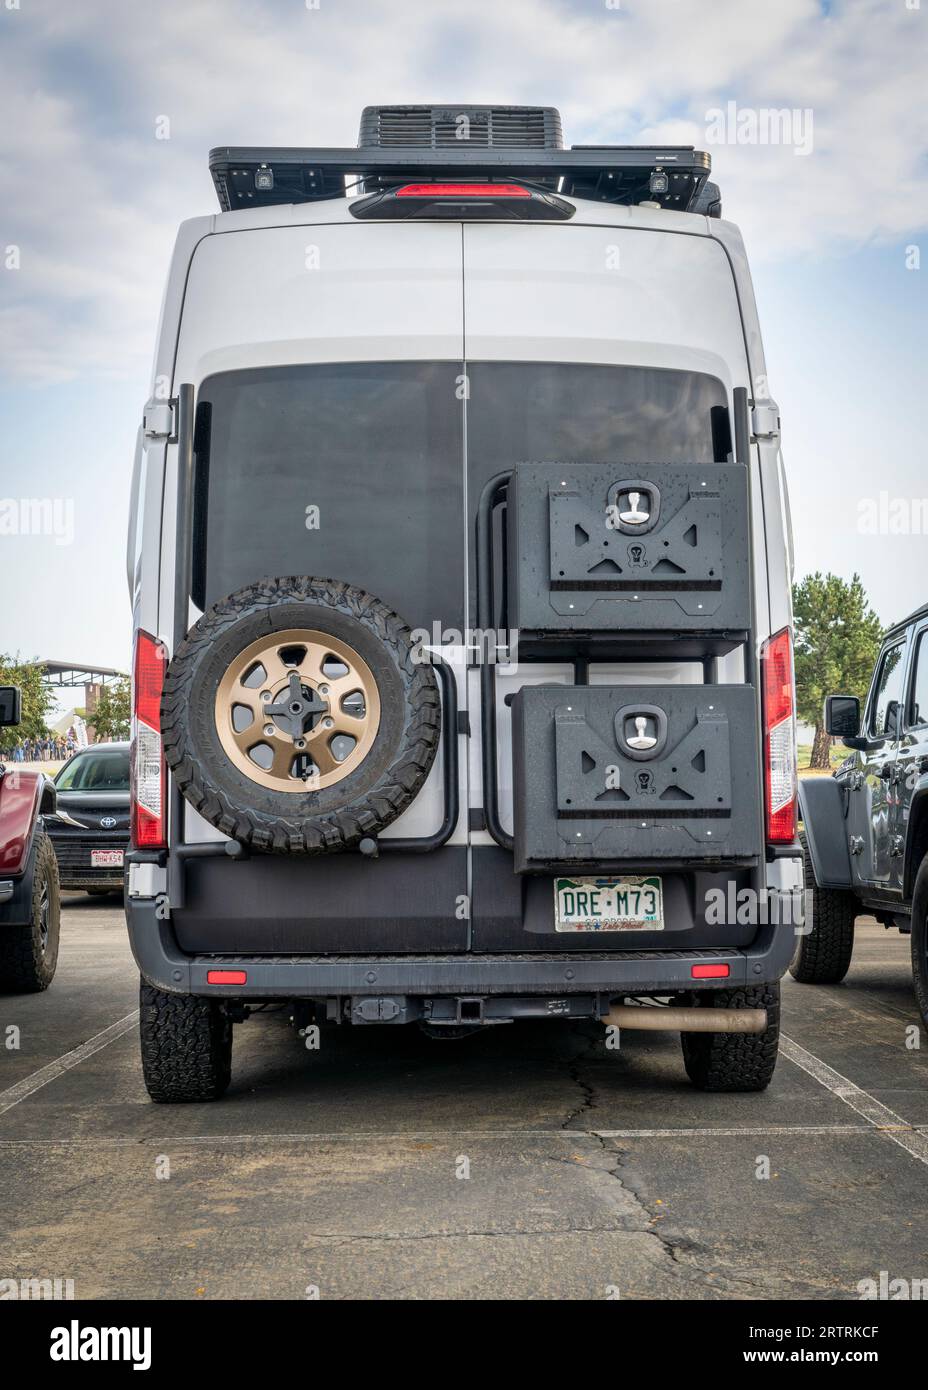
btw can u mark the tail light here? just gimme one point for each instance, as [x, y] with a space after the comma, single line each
[149, 774]
[779, 737]
[487, 201]
[463, 190]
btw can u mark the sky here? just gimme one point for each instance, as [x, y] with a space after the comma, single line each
[834, 217]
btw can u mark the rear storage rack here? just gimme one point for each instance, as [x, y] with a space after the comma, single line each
[619, 562]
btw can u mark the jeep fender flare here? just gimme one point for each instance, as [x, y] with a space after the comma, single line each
[823, 807]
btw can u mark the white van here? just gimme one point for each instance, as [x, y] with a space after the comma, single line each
[460, 569]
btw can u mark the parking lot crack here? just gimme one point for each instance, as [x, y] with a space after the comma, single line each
[587, 1090]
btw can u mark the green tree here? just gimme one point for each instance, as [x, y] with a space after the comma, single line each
[837, 637]
[112, 715]
[38, 700]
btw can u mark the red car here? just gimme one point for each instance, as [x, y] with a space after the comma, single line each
[30, 898]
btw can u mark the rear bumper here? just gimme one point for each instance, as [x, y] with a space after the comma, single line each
[164, 965]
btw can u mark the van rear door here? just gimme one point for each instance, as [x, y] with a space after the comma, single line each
[327, 362]
[597, 345]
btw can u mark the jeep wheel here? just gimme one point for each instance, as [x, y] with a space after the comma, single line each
[29, 953]
[186, 1046]
[920, 940]
[295, 718]
[823, 955]
[734, 1061]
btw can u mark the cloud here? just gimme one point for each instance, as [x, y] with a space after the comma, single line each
[93, 198]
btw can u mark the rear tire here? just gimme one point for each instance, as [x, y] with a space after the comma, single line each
[823, 956]
[920, 940]
[186, 1046]
[734, 1061]
[29, 953]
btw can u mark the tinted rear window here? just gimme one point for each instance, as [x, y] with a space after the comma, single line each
[355, 471]
[558, 411]
[375, 448]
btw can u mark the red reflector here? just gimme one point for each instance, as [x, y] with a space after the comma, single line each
[463, 190]
[226, 977]
[710, 972]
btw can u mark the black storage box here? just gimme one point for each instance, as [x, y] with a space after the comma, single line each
[630, 557]
[635, 777]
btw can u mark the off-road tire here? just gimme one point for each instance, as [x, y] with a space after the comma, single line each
[29, 954]
[734, 1061]
[823, 956]
[367, 799]
[186, 1046]
[920, 940]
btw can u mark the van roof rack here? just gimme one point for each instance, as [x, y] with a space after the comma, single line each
[675, 177]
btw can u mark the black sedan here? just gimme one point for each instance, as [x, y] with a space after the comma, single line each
[91, 831]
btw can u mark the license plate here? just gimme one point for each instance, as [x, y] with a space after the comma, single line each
[106, 858]
[634, 903]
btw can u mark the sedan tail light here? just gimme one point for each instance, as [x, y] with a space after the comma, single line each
[148, 770]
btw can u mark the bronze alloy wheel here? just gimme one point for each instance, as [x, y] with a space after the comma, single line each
[296, 718]
[297, 710]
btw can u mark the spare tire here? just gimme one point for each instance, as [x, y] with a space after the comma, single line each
[295, 718]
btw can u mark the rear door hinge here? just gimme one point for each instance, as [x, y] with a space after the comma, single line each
[159, 420]
[765, 420]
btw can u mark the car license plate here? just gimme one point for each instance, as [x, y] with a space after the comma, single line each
[106, 858]
[634, 903]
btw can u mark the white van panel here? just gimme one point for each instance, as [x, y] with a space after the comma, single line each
[602, 294]
[346, 293]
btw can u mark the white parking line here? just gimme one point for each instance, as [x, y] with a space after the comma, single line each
[173, 1142]
[883, 1120]
[30, 1084]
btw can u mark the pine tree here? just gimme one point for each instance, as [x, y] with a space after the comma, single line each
[837, 639]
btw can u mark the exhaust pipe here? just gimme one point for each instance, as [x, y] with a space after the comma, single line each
[683, 1020]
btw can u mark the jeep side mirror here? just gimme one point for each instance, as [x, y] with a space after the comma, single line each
[842, 716]
[11, 705]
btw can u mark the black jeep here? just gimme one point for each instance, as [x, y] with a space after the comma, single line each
[866, 828]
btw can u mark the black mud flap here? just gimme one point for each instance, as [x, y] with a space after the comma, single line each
[610, 549]
[635, 777]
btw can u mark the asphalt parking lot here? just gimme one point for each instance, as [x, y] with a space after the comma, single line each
[529, 1162]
